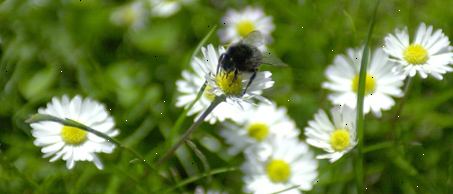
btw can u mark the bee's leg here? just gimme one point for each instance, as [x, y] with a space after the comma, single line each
[222, 56]
[235, 76]
[249, 83]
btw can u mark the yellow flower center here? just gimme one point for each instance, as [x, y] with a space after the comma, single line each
[245, 27]
[370, 84]
[258, 131]
[228, 85]
[339, 139]
[278, 171]
[73, 135]
[208, 93]
[416, 54]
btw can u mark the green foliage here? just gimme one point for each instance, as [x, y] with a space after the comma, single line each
[54, 47]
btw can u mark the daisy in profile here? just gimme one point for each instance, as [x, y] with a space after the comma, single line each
[290, 163]
[381, 83]
[238, 24]
[258, 125]
[70, 143]
[336, 136]
[220, 84]
[429, 53]
[133, 15]
[166, 8]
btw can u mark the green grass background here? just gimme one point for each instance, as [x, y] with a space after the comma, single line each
[71, 47]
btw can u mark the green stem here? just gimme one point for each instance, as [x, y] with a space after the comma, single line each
[360, 100]
[191, 129]
[378, 146]
[182, 117]
[407, 86]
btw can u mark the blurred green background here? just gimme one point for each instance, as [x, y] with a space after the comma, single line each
[54, 47]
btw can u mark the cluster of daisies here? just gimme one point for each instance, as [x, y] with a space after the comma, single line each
[275, 158]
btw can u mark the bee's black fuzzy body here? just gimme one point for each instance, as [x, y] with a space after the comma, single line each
[241, 57]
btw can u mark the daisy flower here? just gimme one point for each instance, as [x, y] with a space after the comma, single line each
[70, 143]
[133, 14]
[337, 136]
[429, 53]
[380, 84]
[192, 81]
[258, 125]
[166, 8]
[239, 24]
[289, 164]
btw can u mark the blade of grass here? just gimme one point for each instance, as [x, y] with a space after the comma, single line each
[182, 117]
[360, 100]
[200, 156]
[201, 176]
[186, 135]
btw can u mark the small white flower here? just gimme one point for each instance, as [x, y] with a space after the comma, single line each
[239, 24]
[336, 137]
[166, 8]
[380, 85]
[191, 83]
[70, 143]
[258, 125]
[429, 53]
[133, 15]
[290, 163]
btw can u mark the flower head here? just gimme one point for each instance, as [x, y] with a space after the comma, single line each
[289, 163]
[70, 143]
[381, 84]
[166, 8]
[258, 125]
[133, 14]
[336, 136]
[192, 81]
[238, 24]
[429, 53]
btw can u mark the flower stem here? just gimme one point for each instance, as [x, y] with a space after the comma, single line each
[360, 101]
[407, 86]
[191, 129]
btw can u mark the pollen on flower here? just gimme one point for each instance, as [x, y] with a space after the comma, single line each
[339, 139]
[228, 85]
[245, 27]
[73, 135]
[258, 131]
[415, 54]
[370, 84]
[278, 171]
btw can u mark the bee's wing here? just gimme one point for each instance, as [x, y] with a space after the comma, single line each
[269, 59]
[254, 38]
